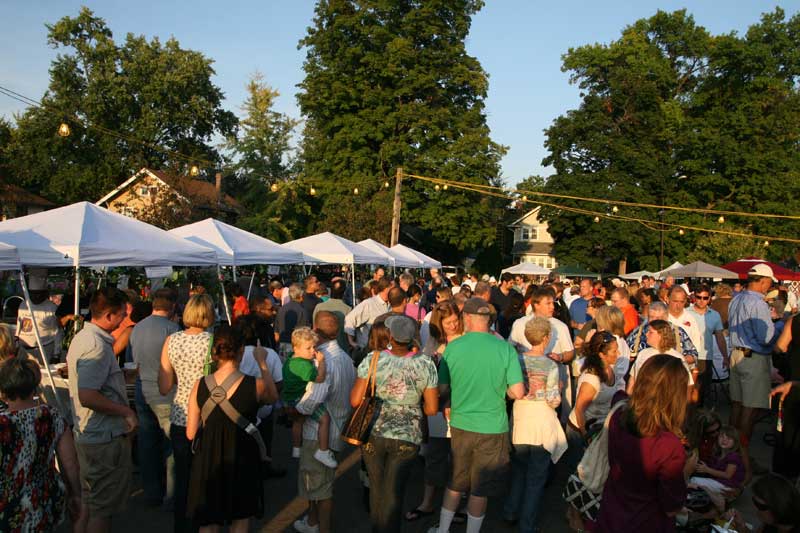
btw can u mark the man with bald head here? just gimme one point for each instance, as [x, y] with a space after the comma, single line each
[398, 300]
[314, 479]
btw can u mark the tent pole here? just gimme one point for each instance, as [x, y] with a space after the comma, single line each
[250, 288]
[353, 274]
[234, 273]
[224, 297]
[77, 307]
[39, 344]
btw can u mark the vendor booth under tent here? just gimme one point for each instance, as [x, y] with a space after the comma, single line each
[395, 260]
[329, 248]
[528, 269]
[426, 261]
[699, 269]
[743, 266]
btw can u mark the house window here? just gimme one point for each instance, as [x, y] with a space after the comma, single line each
[144, 191]
[529, 234]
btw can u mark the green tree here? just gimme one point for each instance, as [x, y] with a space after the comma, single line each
[673, 115]
[159, 97]
[262, 157]
[389, 84]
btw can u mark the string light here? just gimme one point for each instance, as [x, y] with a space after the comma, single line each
[681, 232]
[355, 191]
[615, 209]
[445, 187]
[194, 171]
[386, 184]
[63, 130]
[524, 198]
[596, 219]
[313, 191]
[766, 243]
[274, 187]
[721, 219]
[436, 187]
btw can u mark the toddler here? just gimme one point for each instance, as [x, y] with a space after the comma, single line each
[298, 372]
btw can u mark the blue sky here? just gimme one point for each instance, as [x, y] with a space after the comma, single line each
[518, 42]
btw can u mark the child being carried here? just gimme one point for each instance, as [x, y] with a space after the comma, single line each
[298, 371]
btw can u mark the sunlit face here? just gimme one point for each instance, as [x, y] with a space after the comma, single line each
[304, 349]
[701, 300]
[618, 301]
[611, 354]
[586, 288]
[677, 303]
[544, 308]
[450, 325]
[653, 338]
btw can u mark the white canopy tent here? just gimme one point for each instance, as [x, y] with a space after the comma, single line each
[699, 269]
[84, 234]
[395, 260]
[9, 258]
[528, 269]
[329, 248]
[661, 273]
[426, 261]
[636, 275]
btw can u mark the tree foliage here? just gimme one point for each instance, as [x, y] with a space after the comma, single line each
[261, 156]
[671, 114]
[154, 94]
[389, 84]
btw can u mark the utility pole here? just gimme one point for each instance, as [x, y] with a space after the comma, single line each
[395, 236]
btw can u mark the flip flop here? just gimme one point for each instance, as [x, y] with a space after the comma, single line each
[416, 514]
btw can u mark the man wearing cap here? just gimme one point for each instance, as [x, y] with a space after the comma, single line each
[752, 337]
[477, 371]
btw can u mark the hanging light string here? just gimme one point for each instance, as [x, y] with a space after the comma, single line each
[610, 201]
[652, 225]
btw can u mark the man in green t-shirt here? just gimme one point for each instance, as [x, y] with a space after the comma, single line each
[477, 370]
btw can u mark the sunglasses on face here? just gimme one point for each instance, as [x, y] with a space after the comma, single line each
[761, 506]
[702, 297]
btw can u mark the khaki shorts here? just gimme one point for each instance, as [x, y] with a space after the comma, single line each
[750, 379]
[105, 475]
[314, 479]
[481, 462]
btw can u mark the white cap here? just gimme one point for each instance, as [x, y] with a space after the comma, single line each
[763, 270]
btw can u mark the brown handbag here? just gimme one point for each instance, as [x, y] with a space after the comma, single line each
[363, 417]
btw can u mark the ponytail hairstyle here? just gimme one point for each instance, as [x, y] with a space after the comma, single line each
[599, 344]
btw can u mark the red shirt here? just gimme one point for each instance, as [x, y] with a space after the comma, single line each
[240, 307]
[645, 481]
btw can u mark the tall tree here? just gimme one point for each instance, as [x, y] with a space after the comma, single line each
[157, 97]
[673, 115]
[389, 84]
[262, 157]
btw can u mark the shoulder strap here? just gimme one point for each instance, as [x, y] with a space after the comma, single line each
[218, 396]
[613, 410]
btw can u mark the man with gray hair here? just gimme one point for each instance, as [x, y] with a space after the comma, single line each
[290, 316]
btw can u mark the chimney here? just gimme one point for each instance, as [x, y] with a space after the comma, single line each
[219, 187]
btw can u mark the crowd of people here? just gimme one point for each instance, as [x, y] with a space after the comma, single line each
[496, 387]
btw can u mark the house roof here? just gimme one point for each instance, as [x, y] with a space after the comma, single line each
[12, 194]
[201, 193]
[530, 247]
[523, 217]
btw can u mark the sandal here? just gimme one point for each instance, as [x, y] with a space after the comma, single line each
[416, 514]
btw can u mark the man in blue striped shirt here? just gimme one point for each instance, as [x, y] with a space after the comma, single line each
[752, 337]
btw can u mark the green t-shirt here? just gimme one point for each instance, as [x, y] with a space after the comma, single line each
[297, 372]
[479, 368]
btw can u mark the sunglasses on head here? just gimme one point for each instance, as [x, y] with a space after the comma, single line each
[608, 337]
[761, 506]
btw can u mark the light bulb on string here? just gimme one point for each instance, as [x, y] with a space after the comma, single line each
[386, 184]
[766, 243]
[444, 186]
[681, 232]
[615, 209]
[436, 187]
[721, 219]
[194, 171]
[596, 219]
[313, 191]
[355, 191]
[274, 187]
[524, 198]
[64, 130]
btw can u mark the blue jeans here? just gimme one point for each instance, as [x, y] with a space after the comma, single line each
[529, 468]
[154, 448]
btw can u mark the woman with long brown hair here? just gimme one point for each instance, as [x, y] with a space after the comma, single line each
[646, 484]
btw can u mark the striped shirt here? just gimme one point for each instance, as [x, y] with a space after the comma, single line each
[334, 392]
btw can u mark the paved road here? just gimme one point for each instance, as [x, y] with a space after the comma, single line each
[350, 516]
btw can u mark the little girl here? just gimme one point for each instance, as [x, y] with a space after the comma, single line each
[725, 471]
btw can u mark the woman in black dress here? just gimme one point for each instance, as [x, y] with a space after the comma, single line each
[225, 485]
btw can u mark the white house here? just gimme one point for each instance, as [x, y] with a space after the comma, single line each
[532, 242]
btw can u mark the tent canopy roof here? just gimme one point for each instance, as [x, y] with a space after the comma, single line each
[527, 269]
[395, 259]
[426, 261]
[575, 271]
[742, 266]
[330, 248]
[235, 246]
[699, 269]
[83, 234]
[9, 258]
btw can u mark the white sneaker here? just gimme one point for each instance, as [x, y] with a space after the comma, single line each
[303, 527]
[295, 453]
[326, 457]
